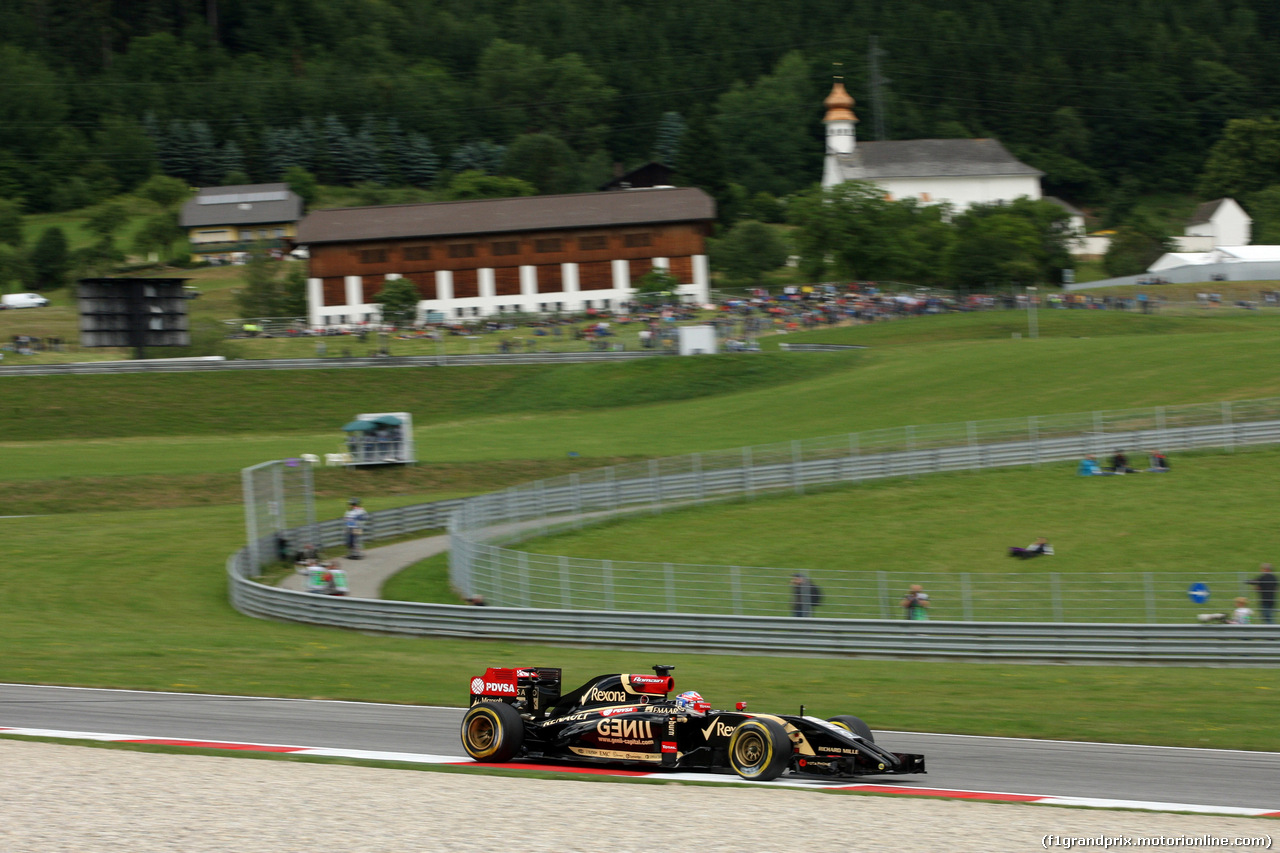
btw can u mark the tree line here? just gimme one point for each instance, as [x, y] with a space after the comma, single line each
[456, 99]
[95, 97]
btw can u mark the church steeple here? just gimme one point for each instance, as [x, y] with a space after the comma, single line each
[839, 103]
[839, 119]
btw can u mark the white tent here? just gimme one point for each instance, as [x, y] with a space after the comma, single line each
[1179, 259]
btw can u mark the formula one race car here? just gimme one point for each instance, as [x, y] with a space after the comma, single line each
[630, 719]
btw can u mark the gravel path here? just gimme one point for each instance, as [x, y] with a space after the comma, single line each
[365, 577]
[60, 799]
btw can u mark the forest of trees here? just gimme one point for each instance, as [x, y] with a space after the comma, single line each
[1124, 96]
[1112, 100]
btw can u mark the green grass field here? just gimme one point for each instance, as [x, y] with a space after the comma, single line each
[123, 585]
[949, 532]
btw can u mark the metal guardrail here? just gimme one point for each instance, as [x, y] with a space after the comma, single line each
[1221, 645]
[448, 360]
[1216, 645]
[482, 561]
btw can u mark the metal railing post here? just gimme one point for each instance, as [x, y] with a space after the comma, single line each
[1228, 432]
[882, 582]
[522, 569]
[735, 586]
[966, 597]
[670, 571]
[972, 430]
[797, 481]
[606, 577]
[655, 487]
[575, 486]
[250, 515]
[697, 470]
[1149, 585]
[746, 472]
[1033, 435]
[566, 598]
[1056, 595]
[855, 458]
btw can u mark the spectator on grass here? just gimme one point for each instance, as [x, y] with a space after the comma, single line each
[915, 604]
[1038, 548]
[307, 554]
[1089, 467]
[1242, 615]
[1119, 464]
[1265, 583]
[1159, 462]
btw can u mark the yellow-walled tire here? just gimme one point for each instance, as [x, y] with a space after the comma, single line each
[855, 725]
[492, 731]
[759, 750]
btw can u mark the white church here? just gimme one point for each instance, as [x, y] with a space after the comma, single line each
[961, 172]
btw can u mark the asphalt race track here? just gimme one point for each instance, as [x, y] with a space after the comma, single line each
[1054, 768]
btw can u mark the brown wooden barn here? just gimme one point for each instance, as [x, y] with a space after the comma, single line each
[535, 254]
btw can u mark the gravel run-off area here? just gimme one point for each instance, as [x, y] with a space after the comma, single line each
[70, 798]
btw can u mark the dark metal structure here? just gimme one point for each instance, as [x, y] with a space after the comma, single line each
[133, 312]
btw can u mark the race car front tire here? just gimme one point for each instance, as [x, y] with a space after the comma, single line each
[855, 725]
[759, 750]
[492, 731]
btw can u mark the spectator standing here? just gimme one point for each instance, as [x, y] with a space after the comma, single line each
[1265, 584]
[355, 519]
[801, 596]
[915, 604]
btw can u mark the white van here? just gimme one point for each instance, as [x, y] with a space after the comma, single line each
[23, 300]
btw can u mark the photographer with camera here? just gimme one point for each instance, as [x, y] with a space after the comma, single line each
[916, 604]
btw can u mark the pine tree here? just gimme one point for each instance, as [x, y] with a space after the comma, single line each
[337, 151]
[50, 260]
[366, 158]
[231, 164]
[701, 162]
[483, 156]
[666, 146]
[171, 144]
[203, 154]
[419, 163]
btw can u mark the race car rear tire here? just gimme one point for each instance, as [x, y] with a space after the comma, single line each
[759, 750]
[855, 725]
[492, 731]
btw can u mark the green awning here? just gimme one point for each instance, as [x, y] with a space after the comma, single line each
[387, 420]
[359, 426]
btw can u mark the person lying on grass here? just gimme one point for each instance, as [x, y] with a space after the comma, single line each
[1035, 549]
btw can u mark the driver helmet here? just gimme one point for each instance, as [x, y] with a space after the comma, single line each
[691, 702]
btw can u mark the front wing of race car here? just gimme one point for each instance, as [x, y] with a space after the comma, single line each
[826, 749]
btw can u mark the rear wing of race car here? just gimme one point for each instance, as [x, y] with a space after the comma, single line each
[536, 689]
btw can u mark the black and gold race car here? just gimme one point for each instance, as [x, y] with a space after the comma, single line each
[632, 719]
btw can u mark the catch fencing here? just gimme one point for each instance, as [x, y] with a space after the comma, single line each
[1194, 645]
[280, 516]
[441, 360]
[483, 563]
